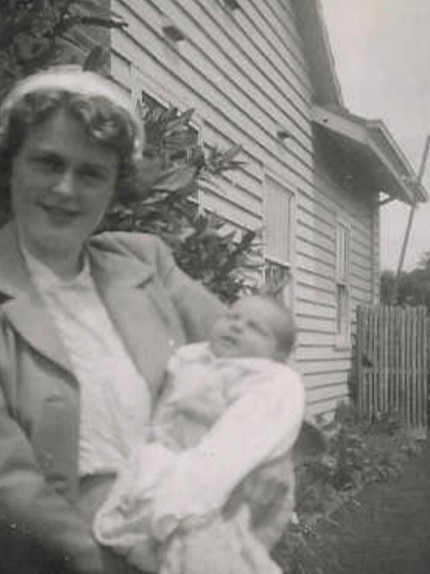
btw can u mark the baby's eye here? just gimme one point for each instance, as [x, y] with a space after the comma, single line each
[258, 328]
[231, 315]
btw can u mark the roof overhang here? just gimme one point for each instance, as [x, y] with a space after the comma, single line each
[369, 144]
[316, 46]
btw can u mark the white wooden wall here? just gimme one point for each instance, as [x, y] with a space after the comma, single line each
[325, 364]
[245, 74]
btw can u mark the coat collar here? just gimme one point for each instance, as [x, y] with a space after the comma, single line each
[116, 277]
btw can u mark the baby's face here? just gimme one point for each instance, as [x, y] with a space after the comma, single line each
[248, 329]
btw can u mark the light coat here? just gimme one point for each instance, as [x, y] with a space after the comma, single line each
[154, 306]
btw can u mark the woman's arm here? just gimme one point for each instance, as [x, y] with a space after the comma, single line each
[196, 306]
[33, 515]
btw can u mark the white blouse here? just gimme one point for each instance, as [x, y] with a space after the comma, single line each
[115, 399]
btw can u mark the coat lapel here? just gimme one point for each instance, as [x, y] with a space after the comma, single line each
[141, 314]
[135, 309]
[22, 304]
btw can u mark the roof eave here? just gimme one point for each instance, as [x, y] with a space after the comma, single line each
[374, 137]
[319, 56]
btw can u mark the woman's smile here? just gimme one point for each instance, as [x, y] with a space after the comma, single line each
[59, 215]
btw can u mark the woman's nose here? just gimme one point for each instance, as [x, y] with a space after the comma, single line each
[65, 184]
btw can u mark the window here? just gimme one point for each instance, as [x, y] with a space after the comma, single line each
[277, 238]
[343, 318]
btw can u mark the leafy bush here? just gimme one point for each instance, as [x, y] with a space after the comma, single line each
[174, 167]
[38, 33]
[358, 453]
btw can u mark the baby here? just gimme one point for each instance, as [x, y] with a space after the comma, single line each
[214, 488]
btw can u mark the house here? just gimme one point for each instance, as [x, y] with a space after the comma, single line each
[260, 73]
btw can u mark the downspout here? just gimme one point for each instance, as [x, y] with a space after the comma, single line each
[410, 220]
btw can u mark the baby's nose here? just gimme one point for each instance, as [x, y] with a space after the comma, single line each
[237, 325]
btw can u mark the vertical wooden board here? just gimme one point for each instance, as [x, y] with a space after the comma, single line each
[375, 337]
[426, 367]
[413, 353]
[391, 359]
[375, 333]
[422, 370]
[371, 357]
[424, 388]
[403, 369]
[387, 358]
[418, 359]
[422, 379]
[397, 357]
[358, 360]
[413, 364]
[407, 364]
[418, 398]
[417, 353]
[365, 357]
[418, 402]
[411, 361]
[382, 365]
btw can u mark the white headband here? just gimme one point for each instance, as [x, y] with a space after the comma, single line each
[77, 81]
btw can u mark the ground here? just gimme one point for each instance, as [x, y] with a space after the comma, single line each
[385, 531]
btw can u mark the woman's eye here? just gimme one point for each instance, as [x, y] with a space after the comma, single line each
[92, 175]
[48, 163]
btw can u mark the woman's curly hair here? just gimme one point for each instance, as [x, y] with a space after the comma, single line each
[105, 123]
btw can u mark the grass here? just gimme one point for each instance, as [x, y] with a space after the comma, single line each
[367, 509]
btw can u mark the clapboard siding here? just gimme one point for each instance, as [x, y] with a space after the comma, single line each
[325, 399]
[204, 40]
[319, 353]
[325, 366]
[261, 18]
[185, 61]
[245, 74]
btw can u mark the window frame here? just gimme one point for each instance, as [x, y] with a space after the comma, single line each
[281, 260]
[343, 242]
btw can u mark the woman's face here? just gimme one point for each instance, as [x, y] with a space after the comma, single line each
[62, 184]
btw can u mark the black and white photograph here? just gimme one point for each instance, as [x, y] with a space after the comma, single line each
[214, 286]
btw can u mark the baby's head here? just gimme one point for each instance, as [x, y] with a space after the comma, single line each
[254, 326]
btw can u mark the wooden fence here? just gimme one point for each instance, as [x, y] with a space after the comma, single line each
[391, 363]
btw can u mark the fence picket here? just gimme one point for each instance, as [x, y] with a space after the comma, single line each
[391, 363]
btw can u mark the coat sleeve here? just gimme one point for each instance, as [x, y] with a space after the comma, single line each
[196, 306]
[36, 523]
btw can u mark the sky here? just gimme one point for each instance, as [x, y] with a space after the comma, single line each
[381, 50]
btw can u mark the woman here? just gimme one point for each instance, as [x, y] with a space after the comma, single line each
[78, 313]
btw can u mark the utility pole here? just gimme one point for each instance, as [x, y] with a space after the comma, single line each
[410, 220]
